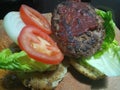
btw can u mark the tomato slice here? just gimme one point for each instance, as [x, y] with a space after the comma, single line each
[32, 17]
[39, 45]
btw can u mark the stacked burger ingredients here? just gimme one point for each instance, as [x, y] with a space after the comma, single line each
[78, 31]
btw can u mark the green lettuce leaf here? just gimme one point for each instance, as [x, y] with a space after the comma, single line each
[20, 62]
[107, 59]
[109, 62]
[109, 25]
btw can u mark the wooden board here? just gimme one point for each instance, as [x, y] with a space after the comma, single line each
[83, 83]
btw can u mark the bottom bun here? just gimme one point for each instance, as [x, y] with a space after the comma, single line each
[43, 81]
[87, 70]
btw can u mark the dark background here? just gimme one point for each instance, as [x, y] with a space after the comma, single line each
[48, 5]
[113, 5]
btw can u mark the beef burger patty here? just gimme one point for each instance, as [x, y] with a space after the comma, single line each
[77, 29]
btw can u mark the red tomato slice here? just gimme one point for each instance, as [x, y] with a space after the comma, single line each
[32, 17]
[39, 45]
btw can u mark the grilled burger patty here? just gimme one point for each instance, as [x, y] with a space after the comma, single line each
[77, 29]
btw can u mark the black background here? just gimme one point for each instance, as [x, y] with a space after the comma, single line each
[48, 5]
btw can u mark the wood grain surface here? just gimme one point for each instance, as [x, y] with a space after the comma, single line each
[83, 83]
